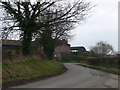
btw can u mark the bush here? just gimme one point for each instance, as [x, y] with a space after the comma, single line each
[78, 58]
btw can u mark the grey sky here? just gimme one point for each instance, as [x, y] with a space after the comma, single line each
[101, 25]
[119, 28]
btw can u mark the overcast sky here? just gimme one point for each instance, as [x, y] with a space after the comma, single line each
[101, 25]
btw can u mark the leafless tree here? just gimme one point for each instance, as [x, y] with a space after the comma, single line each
[102, 48]
[52, 17]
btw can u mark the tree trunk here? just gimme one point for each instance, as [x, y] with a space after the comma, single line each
[26, 43]
[48, 47]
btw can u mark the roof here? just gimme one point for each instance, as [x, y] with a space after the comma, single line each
[17, 43]
[79, 49]
[11, 42]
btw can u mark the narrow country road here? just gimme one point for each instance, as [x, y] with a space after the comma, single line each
[77, 77]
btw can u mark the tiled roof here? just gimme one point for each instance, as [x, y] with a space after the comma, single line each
[11, 42]
[18, 43]
[80, 49]
[15, 43]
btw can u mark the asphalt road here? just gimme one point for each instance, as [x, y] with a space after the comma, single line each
[77, 77]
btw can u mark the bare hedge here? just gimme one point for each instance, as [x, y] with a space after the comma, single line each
[108, 61]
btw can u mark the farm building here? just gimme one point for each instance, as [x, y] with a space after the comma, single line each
[12, 49]
[79, 50]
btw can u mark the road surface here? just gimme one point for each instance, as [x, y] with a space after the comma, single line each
[77, 77]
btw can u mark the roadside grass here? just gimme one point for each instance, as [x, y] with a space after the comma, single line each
[29, 69]
[103, 68]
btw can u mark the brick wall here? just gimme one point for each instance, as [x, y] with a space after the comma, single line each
[62, 52]
[12, 49]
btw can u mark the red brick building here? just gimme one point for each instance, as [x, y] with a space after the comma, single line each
[62, 50]
[13, 48]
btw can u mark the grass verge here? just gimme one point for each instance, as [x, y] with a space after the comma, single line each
[29, 69]
[107, 69]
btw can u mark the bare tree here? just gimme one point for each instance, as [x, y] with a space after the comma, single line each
[47, 19]
[102, 48]
[59, 21]
[25, 18]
